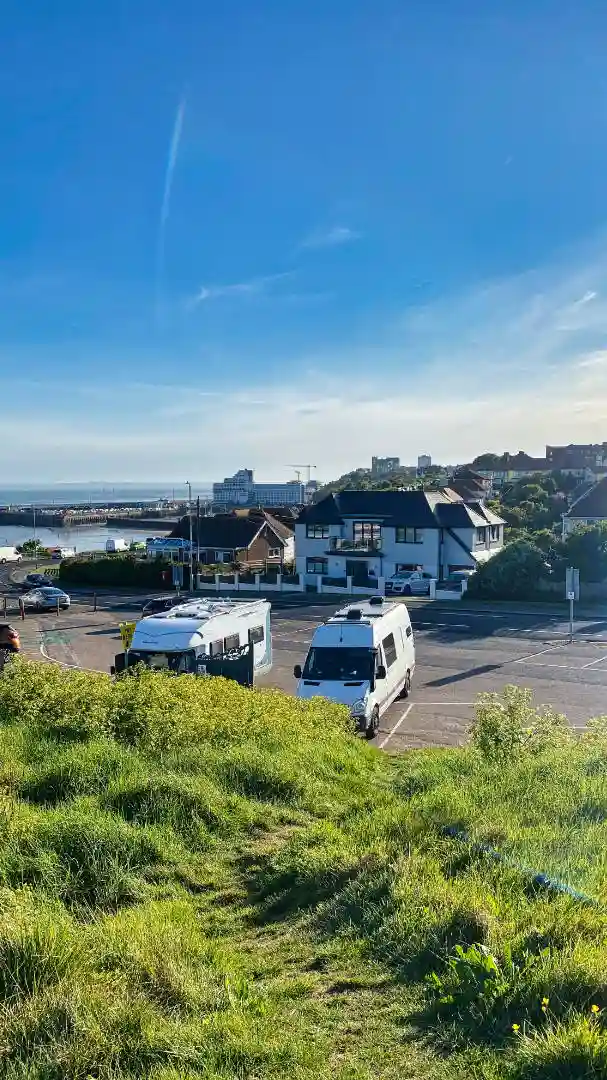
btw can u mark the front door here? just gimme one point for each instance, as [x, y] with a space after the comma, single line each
[357, 570]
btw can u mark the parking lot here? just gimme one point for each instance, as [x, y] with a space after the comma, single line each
[460, 653]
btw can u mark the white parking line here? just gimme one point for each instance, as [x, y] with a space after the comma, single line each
[541, 652]
[396, 726]
[593, 662]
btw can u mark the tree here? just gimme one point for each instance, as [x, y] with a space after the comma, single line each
[586, 548]
[513, 573]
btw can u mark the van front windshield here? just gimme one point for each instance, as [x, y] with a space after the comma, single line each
[180, 663]
[340, 664]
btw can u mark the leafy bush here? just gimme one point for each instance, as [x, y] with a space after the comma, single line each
[513, 573]
[507, 727]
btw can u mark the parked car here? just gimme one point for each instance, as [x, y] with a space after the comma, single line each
[409, 583]
[457, 576]
[37, 581]
[9, 639]
[157, 604]
[46, 599]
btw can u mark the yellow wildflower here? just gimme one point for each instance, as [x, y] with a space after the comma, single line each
[516, 1027]
[594, 1009]
[545, 1001]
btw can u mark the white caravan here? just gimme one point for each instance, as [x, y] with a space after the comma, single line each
[362, 657]
[184, 638]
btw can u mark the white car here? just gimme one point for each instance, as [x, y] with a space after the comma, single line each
[409, 583]
[9, 554]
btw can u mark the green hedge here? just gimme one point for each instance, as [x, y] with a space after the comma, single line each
[122, 570]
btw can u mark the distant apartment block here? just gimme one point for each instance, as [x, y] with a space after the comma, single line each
[242, 490]
[381, 466]
[586, 460]
[424, 462]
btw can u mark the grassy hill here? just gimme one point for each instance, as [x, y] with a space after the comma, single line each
[198, 880]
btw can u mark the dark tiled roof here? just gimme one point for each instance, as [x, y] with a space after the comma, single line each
[524, 461]
[417, 509]
[229, 531]
[467, 489]
[466, 473]
[591, 505]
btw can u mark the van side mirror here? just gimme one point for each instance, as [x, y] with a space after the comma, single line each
[381, 672]
[297, 671]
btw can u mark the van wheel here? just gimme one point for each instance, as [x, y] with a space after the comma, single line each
[406, 690]
[373, 728]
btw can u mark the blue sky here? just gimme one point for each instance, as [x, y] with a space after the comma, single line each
[256, 233]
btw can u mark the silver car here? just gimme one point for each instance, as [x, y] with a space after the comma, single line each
[409, 583]
[46, 599]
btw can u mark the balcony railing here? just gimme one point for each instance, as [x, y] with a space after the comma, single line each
[355, 547]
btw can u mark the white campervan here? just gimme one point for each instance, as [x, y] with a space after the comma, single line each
[179, 639]
[362, 657]
[114, 544]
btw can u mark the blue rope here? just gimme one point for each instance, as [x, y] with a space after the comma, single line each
[543, 881]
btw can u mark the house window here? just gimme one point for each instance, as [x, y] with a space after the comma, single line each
[367, 532]
[407, 535]
[403, 567]
[481, 535]
[317, 532]
[256, 634]
[273, 553]
[223, 556]
[389, 650]
[317, 566]
[495, 532]
[231, 642]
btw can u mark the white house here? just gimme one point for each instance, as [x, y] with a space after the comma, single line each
[362, 534]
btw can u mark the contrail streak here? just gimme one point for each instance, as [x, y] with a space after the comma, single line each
[166, 199]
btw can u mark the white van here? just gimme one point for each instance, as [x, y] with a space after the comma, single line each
[362, 657]
[9, 554]
[112, 545]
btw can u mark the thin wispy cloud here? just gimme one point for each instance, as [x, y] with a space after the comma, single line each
[256, 286]
[166, 199]
[332, 237]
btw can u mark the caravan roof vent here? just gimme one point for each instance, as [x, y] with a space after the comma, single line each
[378, 600]
[354, 614]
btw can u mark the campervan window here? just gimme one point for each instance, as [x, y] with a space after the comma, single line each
[256, 633]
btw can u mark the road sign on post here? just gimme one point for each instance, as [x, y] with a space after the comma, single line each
[572, 593]
[572, 583]
[127, 630]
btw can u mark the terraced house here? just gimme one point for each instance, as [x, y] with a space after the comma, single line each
[373, 534]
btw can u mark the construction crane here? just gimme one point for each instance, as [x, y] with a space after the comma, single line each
[298, 473]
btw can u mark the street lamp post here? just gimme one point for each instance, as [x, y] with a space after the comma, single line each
[191, 538]
[35, 537]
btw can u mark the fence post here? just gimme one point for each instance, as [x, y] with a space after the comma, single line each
[319, 582]
[94, 601]
[4, 605]
[236, 580]
[381, 586]
[21, 607]
[217, 582]
[349, 583]
[258, 582]
[279, 581]
[57, 607]
[433, 589]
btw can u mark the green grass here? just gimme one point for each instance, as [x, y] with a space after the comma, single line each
[198, 880]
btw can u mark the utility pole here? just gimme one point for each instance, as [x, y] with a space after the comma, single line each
[572, 592]
[191, 538]
[197, 532]
[35, 538]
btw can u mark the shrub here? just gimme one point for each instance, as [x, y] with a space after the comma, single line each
[505, 728]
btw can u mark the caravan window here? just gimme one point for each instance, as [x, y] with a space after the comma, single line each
[256, 633]
[231, 642]
[216, 647]
[389, 650]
